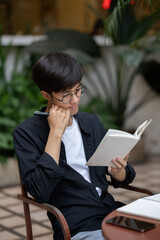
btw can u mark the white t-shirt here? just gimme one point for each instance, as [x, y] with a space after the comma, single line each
[75, 154]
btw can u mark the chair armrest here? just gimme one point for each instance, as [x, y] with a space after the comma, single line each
[57, 213]
[135, 189]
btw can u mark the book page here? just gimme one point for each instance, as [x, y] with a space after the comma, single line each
[141, 128]
[142, 207]
[118, 133]
[114, 132]
[110, 148]
[155, 197]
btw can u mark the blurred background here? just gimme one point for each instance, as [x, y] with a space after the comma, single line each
[117, 44]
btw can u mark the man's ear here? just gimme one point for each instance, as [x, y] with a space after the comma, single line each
[46, 95]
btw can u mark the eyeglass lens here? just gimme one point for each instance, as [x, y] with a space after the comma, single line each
[78, 93]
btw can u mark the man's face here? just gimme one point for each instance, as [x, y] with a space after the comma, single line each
[69, 99]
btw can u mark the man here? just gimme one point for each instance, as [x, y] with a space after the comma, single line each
[52, 152]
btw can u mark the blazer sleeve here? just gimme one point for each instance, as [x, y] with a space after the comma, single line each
[130, 175]
[39, 171]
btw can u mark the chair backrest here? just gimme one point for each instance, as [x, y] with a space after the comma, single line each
[136, 189]
[56, 212]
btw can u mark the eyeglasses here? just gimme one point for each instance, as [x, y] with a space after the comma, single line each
[67, 98]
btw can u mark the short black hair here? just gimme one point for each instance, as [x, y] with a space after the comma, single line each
[56, 72]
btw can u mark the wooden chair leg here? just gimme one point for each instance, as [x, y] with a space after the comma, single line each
[56, 212]
[28, 221]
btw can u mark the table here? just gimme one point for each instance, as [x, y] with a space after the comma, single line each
[111, 232]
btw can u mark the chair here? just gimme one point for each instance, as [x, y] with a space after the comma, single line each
[56, 212]
[66, 232]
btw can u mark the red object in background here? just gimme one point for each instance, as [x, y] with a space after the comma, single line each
[106, 4]
[132, 2]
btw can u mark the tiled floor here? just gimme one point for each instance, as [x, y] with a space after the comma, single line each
[12, 226]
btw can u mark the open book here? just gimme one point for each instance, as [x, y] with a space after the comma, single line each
[145, 207]
[116, 143]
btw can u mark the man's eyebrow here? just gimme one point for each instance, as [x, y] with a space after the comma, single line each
[67, 91]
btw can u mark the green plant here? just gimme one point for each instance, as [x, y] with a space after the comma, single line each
[130, 48]
[99, 107]
[19, 98]
[121, 20]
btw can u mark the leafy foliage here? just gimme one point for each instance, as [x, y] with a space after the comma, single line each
[104, 112]
[130, 49]
[19, 98]
[117, 20]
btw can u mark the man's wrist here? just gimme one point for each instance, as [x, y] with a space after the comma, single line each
[57, 134]
[120, 176]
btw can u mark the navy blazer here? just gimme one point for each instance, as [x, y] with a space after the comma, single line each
[60, 185]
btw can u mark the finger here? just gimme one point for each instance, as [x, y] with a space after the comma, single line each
[68, 115]
[60, 109]
[126, 158]
[52, 106]
[115, 161]
[112, 170]
[65, 113]
[121, 161]
[53, 109]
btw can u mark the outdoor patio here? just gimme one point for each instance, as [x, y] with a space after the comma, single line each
[12, 225]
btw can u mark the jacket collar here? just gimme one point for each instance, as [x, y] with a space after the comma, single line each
[83, 123]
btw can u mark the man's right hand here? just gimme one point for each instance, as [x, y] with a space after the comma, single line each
[59, 118]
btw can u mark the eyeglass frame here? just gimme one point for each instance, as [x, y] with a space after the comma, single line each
[83, 89]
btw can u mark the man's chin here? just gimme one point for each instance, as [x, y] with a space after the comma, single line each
[73, 111]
